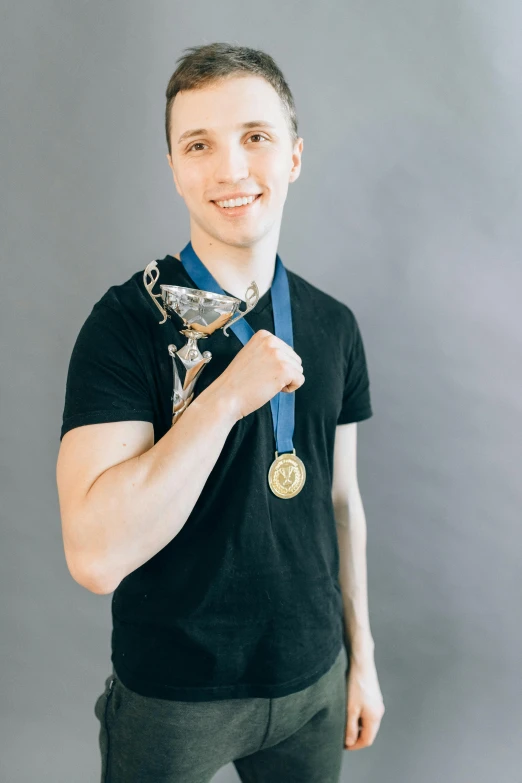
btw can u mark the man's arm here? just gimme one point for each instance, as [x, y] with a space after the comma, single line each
[122, 498]
[351, 535]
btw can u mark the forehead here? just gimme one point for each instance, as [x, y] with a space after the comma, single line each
[226, 103]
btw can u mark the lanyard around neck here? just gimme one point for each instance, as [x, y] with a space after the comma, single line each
[283, 403]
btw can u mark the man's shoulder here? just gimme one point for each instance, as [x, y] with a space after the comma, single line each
[313, 296]
[131, 297]
[126, 312]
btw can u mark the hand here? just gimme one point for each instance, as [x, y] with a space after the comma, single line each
[264, 366]
[365, 707]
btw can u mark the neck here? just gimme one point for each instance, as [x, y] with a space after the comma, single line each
[234, 268]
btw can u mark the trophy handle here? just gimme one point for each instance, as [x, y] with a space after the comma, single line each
[149, 269]
[251, 299]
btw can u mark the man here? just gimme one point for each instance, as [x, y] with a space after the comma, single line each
[233, 602]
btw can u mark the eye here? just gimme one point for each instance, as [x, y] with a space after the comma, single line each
[199, 143]
[194, 145]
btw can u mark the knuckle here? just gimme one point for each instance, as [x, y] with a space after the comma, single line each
[279, 357]
[269, 342]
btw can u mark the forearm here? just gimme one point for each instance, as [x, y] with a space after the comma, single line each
[351, 537]
[137, 507]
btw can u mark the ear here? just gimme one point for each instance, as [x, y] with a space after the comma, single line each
[296, 160]
[174, 175]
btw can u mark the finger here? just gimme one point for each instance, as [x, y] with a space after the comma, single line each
[287, 349]
[352, 727]
[293, 364]
[367, 734]
[291, 356]
[293, 386]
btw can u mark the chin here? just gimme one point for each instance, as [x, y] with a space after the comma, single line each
[238, 237]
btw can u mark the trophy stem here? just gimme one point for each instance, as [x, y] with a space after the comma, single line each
[188, 363]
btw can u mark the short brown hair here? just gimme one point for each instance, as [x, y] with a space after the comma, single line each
[216, 61]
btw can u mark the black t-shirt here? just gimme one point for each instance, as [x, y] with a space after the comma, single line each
[245, 601]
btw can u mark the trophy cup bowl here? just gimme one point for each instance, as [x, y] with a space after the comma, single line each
[202, 313]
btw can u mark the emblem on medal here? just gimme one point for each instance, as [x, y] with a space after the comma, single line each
[287, 475]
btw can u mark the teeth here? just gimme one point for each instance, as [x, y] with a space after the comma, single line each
[236, 202]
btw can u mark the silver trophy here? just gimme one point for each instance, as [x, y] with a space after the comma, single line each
[202, 313]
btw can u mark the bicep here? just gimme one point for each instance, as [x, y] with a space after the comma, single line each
[85, 454]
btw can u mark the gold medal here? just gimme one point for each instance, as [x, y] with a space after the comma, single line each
[287, 475]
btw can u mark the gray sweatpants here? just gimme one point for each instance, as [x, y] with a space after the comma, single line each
[296, 738]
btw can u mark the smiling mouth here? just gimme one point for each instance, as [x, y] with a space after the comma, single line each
[237, 210]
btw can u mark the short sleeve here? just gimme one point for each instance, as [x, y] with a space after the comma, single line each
[105, 380]
[356, 404]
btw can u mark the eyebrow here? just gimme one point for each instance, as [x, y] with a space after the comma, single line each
[245, 126]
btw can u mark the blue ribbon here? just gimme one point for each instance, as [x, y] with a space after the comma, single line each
[283, 403]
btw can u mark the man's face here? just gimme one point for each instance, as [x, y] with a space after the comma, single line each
[226, 158]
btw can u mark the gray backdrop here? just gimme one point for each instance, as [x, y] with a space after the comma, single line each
[408, 210]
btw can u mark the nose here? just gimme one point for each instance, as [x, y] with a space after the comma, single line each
[231, 165]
